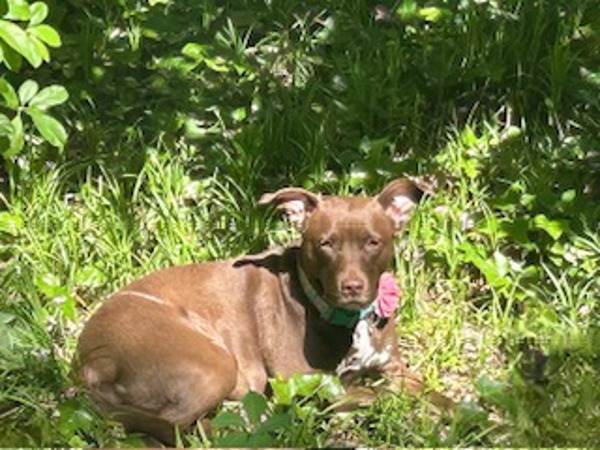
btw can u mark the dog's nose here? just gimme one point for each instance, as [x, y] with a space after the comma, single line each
[353, 286]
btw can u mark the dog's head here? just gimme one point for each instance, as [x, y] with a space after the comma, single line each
[347, 242]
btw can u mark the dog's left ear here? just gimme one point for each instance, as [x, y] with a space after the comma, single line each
[297, 203]
[400, 198]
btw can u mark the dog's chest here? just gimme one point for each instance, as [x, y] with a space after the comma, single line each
[303, 344]
[292, 336]
[370, 351]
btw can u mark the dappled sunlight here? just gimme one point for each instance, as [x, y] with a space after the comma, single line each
[140, 135]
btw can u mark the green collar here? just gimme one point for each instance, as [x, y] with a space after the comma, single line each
[333, 315]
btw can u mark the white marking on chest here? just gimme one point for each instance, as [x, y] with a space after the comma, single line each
[364, 354]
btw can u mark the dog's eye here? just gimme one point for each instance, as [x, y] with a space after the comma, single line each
[326, 243]
[373, 243]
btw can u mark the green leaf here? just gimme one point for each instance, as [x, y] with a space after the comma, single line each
[50, 96]
[18, 10]
[502, 263]
[276, 422]
[306, 412]
[27, 90]
[255, 406]
[17, 139]
[432, 14]
[77, 442]
[47, 34]
[39, 12]
[217, 64]
[233, 440]
[407, 10]
[69, 308]
[194, 51]
[10, 224]
[17, 38]
[488, 268]
[40, 48]
[6, 128]
[306, 385]
[331, 388]
[261, 440]
[74, 416]
[12, 58]
[9, 94]
[228, 419]
[568, 196]
[471, 168]
[554, 228]
[50, 285]
[283, 391]
[325, 386]
[517, 228]
[50, 128]
[239, 114]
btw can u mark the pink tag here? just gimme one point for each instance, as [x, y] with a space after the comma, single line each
[388, 294]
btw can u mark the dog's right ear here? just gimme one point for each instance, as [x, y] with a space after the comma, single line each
[297, 203]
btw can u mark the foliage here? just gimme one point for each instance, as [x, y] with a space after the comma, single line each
[24, 35]
[289, 418]
[181, 113]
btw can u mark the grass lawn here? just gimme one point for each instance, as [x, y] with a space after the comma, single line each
[182, 113]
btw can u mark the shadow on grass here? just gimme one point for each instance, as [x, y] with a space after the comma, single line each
[559, 404]
[286, 93]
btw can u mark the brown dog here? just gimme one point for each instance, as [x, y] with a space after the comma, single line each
[168, 348]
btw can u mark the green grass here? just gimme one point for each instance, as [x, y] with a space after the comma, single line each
[171, 145]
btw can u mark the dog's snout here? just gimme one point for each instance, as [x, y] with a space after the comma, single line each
[353, 286]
